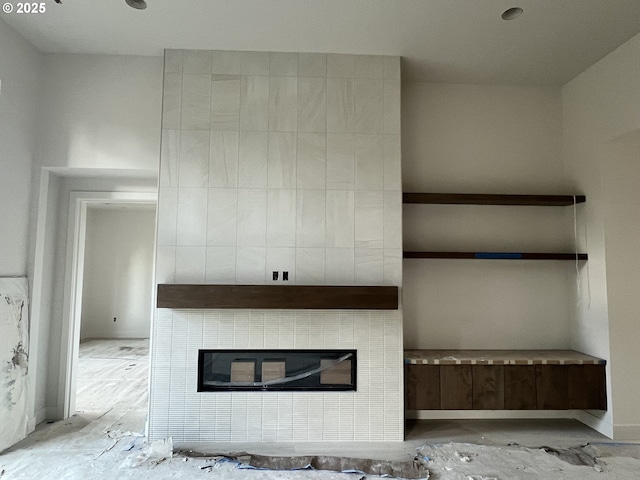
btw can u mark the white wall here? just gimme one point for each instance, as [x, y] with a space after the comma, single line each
[485, 139]
[20, 79]
[482, 139]
[118, 272]
[100, 111]
[601, 110]
[19, 90]
[98, 129]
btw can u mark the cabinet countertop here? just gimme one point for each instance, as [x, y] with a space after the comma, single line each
[499, 357]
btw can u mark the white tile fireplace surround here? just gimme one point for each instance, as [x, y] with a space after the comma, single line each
[279, 162]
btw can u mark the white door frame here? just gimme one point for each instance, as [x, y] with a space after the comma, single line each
[74, 266]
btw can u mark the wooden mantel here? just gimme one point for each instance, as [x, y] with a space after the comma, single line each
[277, 296]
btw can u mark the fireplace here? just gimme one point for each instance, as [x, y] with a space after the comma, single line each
[272, 163]
[276, 370]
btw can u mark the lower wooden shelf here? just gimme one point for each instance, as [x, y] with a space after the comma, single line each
[516, 380]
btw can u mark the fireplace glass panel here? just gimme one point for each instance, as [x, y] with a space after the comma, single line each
[276, 370]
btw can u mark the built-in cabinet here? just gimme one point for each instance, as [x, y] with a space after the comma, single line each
[503, 380]
[509, 379]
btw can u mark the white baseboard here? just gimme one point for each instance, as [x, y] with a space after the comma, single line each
[123, 335]
[595, 421]
[626, 432]
[41, 416]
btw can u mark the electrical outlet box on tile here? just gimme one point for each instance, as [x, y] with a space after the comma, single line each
[286, 163]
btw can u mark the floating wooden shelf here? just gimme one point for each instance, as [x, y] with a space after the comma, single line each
[497, 255]
[278, 296]
[490, 199]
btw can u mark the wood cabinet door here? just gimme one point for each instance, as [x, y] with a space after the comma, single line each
[456, 387]
[422, 387]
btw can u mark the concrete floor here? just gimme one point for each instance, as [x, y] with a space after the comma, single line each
[103, 439]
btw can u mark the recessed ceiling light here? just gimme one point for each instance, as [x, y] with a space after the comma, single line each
[137, 4]
[509, 14]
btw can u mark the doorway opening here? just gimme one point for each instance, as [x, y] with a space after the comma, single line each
[115, 317]
[82, 206]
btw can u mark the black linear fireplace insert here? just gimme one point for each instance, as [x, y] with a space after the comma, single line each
[276, 370]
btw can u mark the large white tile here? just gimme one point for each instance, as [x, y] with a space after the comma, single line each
[393, 266]
[226, 62]
[391, 67]
[281, 260]
[339, 269]
[252, 217]
[223, 159]
[255, 63]
[172, 101]
[312, 104]
[341, 66]
[393, 220]
[283, 94]
[250, 265]
[392, 163]
[369, 151]
[340, 218]
[254, 103]
[341, 106]
[369, 266]
[222, 217]
[221, 265]
[192, 216]
[168, 215]
[310, 266]
[225, 102]
[169, 158]
[283, 64]
[369, 66]
[173, 60]
[165, 264]
[391, 114]
[310, 214]
[281, 218]
[340, 161]
[312, 64]
[197, 61]
[253, 155]
[369, 232]
[190, 264]
[281, 170]
[311, 164]
[194, 158]
[369, 105]
[196, 102]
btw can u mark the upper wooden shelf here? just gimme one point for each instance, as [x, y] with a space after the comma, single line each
[277, 296]
[491, 199]
[497, 255]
